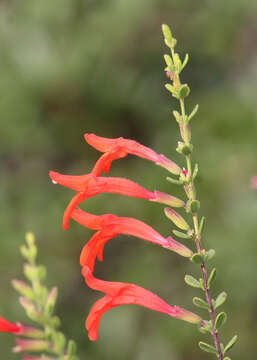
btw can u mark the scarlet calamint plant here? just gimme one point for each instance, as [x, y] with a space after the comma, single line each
[107, 226]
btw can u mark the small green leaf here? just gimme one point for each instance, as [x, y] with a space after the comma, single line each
[230, 344]
[169, 40]
[220, 320]
[221, 298]
[177, 116]
[191, 281]
[184, 91]
[193, 113]
[200, 303]
[172, 89]
[227, 358]
[195, 172]
[185, 62]
[201, 283]
[212, 277]
[177, 62]
[197, 258]
[182, 235]
[210, 254]
[207, 347]
[174, 181]
[202, 225]
[24, 251]
[168, 61]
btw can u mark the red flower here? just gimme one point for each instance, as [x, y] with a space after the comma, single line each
[90, 185]
[118, 293]
[7, 326]
[120, 147]
[111, 226]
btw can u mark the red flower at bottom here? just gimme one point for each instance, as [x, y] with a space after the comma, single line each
[7, 326]
[118, 293]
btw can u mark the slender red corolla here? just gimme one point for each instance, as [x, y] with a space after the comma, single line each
[89, 185]
[118, 293]
[119, 148]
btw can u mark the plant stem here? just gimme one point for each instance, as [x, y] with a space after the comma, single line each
[192, 196]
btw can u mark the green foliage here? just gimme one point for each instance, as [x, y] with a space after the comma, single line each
[200, 303]
[221, 318]
[207, 347]
[197, 258]
[39, 304]
[221, 298]
[191, 281]
[230, 344]
[212, 277]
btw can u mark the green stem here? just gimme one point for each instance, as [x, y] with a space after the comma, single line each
[192, 196]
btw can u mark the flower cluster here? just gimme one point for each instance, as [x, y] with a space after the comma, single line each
[38, 303]
[108, 226]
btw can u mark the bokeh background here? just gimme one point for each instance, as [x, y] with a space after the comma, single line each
[73, 66]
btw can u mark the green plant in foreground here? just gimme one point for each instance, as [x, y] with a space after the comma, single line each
[174, 66]
[39, 303]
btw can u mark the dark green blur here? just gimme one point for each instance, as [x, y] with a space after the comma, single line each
[73, 66]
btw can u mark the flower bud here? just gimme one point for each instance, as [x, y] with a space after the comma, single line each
[176, 218]
[23, 289]
[31, 310]
[167, 199]
[31, 345]
[51, 300]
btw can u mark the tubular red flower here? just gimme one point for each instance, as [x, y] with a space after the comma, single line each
[120, 147]
[90, 185]
[111, 226]
[118, 293]
[7, 326]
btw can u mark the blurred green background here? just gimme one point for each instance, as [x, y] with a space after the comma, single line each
[73, 66]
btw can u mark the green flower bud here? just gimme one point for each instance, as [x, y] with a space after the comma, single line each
[176, 218]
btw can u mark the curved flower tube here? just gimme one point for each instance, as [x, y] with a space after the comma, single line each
[111, 226]
[118, 293]
[119, 148]
[89, 185]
